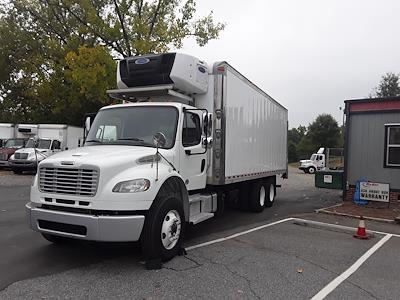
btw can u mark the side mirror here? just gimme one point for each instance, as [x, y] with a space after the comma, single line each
[87, 125]
[159, 140]
[210, 124]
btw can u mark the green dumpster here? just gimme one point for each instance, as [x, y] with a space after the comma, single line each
[329, 179]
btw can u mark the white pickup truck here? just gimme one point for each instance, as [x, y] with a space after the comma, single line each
[188, 137]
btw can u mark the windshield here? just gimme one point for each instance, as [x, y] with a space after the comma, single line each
[313, 157]
[40, 143]
[134, 126]
[14, 143]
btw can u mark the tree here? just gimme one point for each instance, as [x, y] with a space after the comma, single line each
[127, 27]
[56, 56]
[294, 137]
[323, 132]
[389, 86]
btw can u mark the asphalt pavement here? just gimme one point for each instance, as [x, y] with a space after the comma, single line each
[26, 255]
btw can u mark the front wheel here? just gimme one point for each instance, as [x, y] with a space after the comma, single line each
[311, 170]
[163, 230]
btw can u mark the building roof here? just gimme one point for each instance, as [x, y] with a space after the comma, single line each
[388, 104]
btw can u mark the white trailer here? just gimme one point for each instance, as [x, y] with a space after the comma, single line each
[46, 140]
[188, 138]
[7, 131]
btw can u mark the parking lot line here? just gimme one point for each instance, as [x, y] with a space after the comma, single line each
[343, 227]
[237, 234]
[353, 268]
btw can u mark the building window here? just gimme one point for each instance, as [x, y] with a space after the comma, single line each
[392, 147]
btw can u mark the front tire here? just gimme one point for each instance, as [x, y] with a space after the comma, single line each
[311, 170]
[164, 228]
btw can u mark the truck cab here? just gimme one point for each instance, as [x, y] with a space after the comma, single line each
[9, 149]
[36, 150]
[316, 162]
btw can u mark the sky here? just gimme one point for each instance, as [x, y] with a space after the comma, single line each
[309, 55]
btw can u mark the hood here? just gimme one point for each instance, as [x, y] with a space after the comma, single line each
[30, 150]
[304, 161]
[8, 150]
[103, 156]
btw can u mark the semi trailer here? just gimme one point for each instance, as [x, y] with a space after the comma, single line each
[187, 138]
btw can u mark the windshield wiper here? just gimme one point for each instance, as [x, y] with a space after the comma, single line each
[93, 141]
[131, 139]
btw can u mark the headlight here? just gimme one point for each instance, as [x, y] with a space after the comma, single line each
[132, 186]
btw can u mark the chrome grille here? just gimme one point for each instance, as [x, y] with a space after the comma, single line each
[82, 182]
[21, 155]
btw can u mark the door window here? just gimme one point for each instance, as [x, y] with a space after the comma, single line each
[191, 134]
[56, 145]
[392, 146]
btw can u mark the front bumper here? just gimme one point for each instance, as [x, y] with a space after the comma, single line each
[4, 163]
[21, 164]
[85, 227]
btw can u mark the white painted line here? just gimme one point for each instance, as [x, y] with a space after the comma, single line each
[346, 274]
[342, 226]
[237, 234]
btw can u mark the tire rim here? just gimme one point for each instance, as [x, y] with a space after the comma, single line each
[312, 170]
[171, 229]
[262, 196]
[271, 193]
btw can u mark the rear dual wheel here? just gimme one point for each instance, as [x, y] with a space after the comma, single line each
[262, 194]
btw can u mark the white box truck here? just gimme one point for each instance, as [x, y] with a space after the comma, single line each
[188, 137]
[46, 140]
[7, 131]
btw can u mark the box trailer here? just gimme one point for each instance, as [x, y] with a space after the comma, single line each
[188, 138]
[7, 131]
[46, 140]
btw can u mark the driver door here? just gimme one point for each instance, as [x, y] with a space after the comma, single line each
[193, 155]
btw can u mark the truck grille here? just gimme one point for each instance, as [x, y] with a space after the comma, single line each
[82, 182]
[3, 156]
[21, 155]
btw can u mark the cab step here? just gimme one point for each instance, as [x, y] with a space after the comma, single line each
[200, 218]
[202, 207]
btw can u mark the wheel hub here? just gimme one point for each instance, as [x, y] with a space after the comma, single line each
[262, 196]
[171, 229]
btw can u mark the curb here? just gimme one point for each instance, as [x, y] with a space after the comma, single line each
[325, 211]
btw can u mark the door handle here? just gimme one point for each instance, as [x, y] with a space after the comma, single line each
[203, 165]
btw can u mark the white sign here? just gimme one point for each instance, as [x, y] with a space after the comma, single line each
[373, 191]
[328, 178]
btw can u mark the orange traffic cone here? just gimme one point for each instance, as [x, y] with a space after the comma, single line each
[361, 232]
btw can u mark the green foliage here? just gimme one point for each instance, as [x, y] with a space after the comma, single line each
[389, 86]
[294, 137]
[323, 132]
[56, 56]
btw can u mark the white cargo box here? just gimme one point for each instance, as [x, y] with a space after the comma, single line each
[250, 130]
